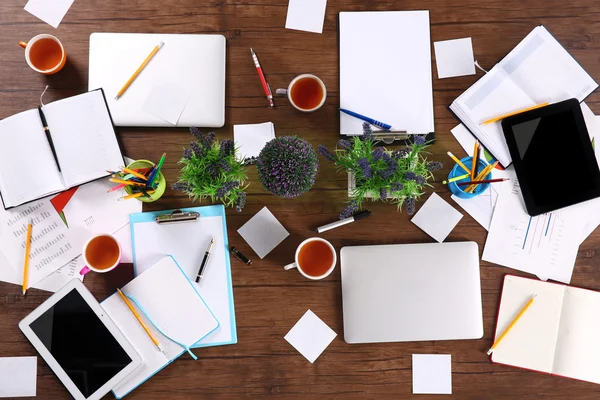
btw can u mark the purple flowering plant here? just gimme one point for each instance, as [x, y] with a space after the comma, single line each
[397, 176]
[211, 170]
[287, 166]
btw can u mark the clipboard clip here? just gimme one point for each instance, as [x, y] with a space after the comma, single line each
[177, 216]
[388, 137]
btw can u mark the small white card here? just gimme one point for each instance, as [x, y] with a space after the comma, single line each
[167, 102]
[50, 11]
[18, 376]
[310, 336]
[432, 373]
[306, 15]
[454, 58]
[251, 138]
[436, 217]
[263, 232]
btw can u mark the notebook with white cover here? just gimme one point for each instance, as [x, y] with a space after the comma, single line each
[538, 70]
[84, 140]
[171, 307]
[385, 70]
[557, 335]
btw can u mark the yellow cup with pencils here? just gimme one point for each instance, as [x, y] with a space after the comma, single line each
[160, 181]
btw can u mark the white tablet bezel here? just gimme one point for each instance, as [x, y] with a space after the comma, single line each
[76, 284]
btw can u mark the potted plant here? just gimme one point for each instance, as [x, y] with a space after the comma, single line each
[397, 176]
[211, 170]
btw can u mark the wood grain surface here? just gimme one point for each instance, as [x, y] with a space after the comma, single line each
[268, 300]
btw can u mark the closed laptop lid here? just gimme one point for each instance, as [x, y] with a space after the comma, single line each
[411, 292]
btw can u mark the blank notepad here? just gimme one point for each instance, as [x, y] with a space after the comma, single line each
[173, 304]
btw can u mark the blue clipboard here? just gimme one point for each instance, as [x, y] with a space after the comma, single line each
[206, 211]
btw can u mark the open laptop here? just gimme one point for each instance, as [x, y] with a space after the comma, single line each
[411, 292]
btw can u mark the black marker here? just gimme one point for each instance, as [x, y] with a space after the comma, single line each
[236, 253]
[336, 224]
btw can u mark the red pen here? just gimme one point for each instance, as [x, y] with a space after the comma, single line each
[265, 85]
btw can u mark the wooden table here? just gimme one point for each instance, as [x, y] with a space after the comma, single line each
[268, 300]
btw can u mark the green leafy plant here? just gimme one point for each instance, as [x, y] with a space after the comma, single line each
[395, 176]
[211, 170]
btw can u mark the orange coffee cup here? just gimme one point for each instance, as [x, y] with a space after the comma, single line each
[45, 54]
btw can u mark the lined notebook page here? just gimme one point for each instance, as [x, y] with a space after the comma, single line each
[27, 167]
[173, 304]
[577, 350]
[84, 137]
[531, 343]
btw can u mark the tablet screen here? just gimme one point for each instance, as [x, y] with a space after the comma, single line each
[85, 349]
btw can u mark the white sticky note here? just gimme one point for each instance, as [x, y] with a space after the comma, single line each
[251, 138]
[454, 58]
[306, 15]
[436, 217]
[432, 373]
[167, 102]
[263, 232]
[50, 11]
[18, 376]
[310, 336]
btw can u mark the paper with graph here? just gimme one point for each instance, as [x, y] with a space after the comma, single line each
[545, 245]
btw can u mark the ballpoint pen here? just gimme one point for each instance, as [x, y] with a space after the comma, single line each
[205, 259]
[48, 136]
[372, 121]
[336, 224]
[265, 85]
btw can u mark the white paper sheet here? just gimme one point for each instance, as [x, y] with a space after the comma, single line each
[251, 138]
[167, 102]
[306, 15]
[310, 336]
[436, 217]
[18, 376]
[432, 373]
[51, 12]
[454, 58]
[263, 232]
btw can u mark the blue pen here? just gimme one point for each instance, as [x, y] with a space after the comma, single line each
[372, 121]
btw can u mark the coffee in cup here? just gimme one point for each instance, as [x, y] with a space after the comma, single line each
[101, 254]
[306, 92]
[315, 258]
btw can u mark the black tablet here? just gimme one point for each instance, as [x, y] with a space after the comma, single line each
[553, 156]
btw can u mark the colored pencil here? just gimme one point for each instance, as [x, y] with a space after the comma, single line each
[482, 182]
[130, 183]
[481, 175]
[511, 325]
[27, 251]
[134, 173]
[501, 117]
[157, 170]
[139, 70]
[112, 189]
[456, 160]
[474, 160]
[137, 316]
[456, 178]
[138, 194]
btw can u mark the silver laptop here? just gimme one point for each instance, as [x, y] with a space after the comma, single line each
[411, 292]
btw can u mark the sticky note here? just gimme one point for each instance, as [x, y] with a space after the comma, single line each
[432, 373]
[167, 102]
[310, 336]
[454, 58]
[436, 217]
[51, 12]
[263, 232]
[306, 15]
[18, 376]
[251, 138]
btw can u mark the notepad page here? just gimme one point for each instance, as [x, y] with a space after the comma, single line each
[385, 70]
[577, 350]
[28, 170]
[84, 137]
[531, 343]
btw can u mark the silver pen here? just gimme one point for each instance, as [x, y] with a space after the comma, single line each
[337, 224]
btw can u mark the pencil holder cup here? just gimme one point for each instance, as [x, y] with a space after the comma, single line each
[459, 191]
[160, 179]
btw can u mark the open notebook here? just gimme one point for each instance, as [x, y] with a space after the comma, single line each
[85, 147]
[173, 310]
[557, 335]
[538, 70]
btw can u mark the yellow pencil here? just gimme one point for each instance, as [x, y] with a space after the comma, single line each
[456, 160]
[474, 160]
[136, 195]
[136, 174]
[481, 176]
[121, 181]
[456, 178]
[27, 251]
[137, 316]
[501, 117]
[139, 70]
[511, 325]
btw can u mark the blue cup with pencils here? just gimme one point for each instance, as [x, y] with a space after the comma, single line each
[156, 182]
[460, 180]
